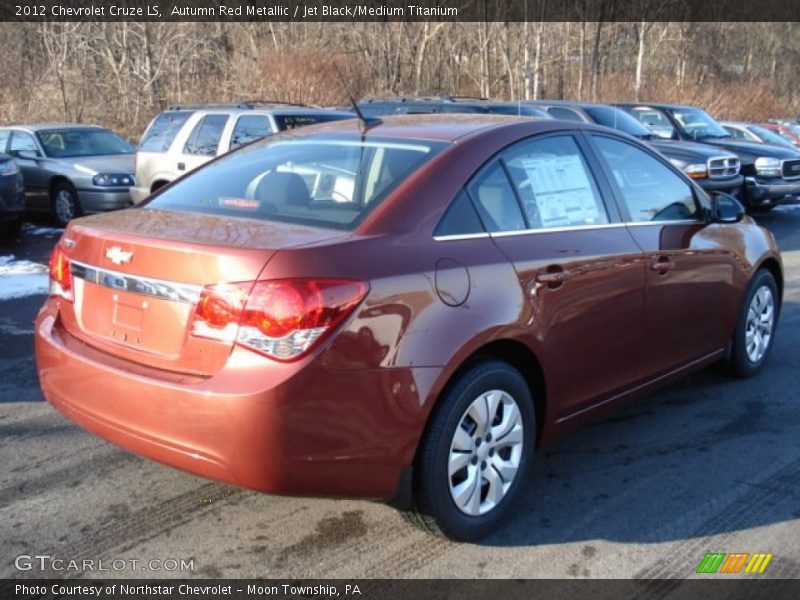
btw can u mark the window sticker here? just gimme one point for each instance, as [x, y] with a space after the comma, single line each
[564, 194]
[245, 204]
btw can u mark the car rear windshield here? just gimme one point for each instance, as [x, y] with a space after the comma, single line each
[293, 121]
[163, 130]
[317, 180]
[68, 143]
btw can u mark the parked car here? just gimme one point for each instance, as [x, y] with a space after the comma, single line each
[402, 309]
[12, 195]
[751, 132]
[71, 169]
[418, 105]
[713, 169]
[787, 131]
[184, 137]
[771, 173]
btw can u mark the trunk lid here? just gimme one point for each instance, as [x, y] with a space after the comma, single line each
[137, 276]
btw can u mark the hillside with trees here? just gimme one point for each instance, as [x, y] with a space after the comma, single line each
[121, 74]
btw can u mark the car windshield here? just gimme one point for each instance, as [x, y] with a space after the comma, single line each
[770, 137]
[326, 181]
[617, 119]
[697, 124]
[68, 143]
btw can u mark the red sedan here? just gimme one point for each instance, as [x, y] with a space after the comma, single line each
[789, 133]
[400, 310]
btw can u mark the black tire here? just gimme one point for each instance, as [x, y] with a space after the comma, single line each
[65, 203]
[741, 362]
[434, 506]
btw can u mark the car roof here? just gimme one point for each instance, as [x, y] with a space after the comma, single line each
[659, 105]
[449, 127]
[46, 126]
[401, 99]
[276, 109]
[571, 103]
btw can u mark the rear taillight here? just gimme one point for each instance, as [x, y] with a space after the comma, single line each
[282, 319]
[60, 275]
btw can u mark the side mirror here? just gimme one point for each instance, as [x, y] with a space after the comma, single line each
[725, 208]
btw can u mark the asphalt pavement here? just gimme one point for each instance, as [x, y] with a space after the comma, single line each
[709, 464]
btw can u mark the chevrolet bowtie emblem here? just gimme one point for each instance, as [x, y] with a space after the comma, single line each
[118, 256]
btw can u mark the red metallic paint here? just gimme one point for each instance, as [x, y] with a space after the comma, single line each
[347, 418]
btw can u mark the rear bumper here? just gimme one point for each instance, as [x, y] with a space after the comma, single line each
[100, 201]
[296, 429]
[771, 191]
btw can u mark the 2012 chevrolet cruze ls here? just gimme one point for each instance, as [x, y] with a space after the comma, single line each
[411, 306]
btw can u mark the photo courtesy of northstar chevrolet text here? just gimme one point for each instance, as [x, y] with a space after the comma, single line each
[373, 299]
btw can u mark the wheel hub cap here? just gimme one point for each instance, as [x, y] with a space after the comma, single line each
[759, 324]
[485, 452]
[64, 208]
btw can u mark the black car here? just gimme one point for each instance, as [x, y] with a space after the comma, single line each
[410, 105]
[771, 173]
[713, 169]
[12, 195]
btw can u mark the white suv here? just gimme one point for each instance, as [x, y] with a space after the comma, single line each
[184, 137]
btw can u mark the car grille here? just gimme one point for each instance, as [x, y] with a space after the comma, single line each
[791, 169]
[723, 166]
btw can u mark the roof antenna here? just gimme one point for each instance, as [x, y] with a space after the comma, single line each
[365, 122]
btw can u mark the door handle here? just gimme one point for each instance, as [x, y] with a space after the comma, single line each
[181, 166]
[554, 278]
[662, 265]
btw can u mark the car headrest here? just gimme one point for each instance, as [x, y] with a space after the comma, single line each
[283, 189]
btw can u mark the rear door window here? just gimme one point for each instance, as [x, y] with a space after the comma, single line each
[204, 139]
[250, 128]
[4, 135]
[554, 184]
[161, 133]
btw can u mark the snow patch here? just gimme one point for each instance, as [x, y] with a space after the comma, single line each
[46, 231]
[20, 278]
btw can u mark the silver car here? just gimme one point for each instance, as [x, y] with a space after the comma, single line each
[70, 169]
[182, 138]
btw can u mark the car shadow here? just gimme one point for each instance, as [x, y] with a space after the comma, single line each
[783, 221]
[708, 454]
